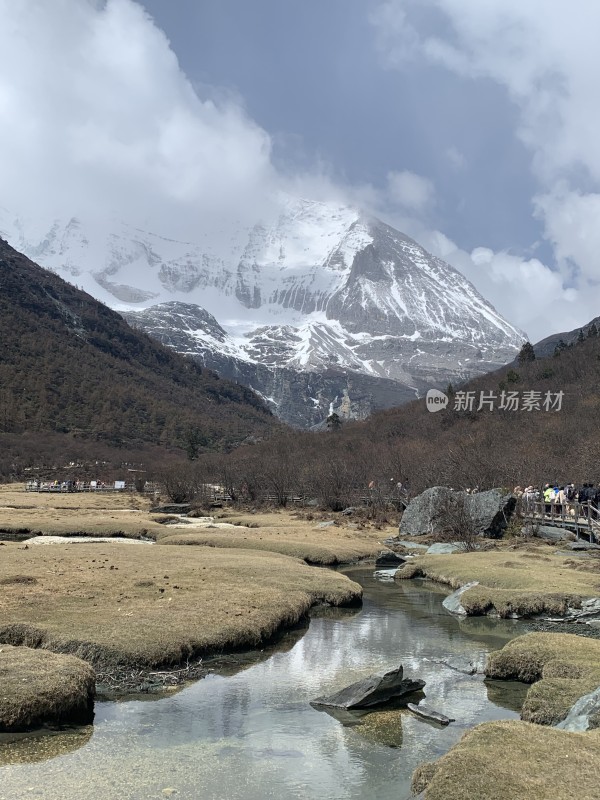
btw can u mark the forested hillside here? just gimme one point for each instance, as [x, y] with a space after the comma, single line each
[69, 365]
[539, 422]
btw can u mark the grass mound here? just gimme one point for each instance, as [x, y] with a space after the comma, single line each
[509, 583]
[283, 532]
[320, 550]
[514, 761]
[154, 606]
[40, 688]
[75, 514]
[562, 667]
[310, 553]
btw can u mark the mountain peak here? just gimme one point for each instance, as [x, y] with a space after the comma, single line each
[321, 286]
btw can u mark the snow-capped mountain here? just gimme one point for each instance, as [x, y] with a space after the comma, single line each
[300, 397]
[321, 288]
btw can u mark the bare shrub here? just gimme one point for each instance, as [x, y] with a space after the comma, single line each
[181, 483]
[454, 523]
[335, 483]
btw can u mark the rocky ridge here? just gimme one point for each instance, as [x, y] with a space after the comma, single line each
[320, 289]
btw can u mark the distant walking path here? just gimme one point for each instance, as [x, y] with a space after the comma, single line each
[79, 486]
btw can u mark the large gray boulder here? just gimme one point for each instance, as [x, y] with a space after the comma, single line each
[489, 511]
[419, 516]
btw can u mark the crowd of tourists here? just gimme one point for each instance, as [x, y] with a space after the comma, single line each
[559, 499]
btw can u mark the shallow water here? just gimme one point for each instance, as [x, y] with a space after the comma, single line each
[253, 734]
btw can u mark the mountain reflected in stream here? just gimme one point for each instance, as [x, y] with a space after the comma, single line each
[252, 734]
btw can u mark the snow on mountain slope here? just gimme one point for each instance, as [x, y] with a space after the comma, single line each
[323, 286]
[300, 397]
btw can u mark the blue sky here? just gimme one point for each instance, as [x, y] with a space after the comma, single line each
[471, 125]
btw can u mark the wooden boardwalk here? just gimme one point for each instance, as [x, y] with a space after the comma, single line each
[582, 519]
[67, 487]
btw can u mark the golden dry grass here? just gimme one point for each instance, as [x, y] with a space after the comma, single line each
[146, 605]
[284, 531]
[37, 687]
[509, 582]
[514, 760]
[64, 514]
[564, 667]
[97, 514]
[283, 534]
[14, 495]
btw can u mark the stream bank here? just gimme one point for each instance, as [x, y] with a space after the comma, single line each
[249, 732]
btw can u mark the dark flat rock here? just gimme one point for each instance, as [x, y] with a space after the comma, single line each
[582, 545]
[387, 558]
[552, 534]
[429, 714]
[373, 690]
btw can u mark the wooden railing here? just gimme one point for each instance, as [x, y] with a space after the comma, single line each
[33, 486]
[581, 518]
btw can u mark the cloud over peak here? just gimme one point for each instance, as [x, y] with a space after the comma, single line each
[544, 54]
[98, 116]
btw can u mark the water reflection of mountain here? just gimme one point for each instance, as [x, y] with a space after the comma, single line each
[254, 734]
[334, 655]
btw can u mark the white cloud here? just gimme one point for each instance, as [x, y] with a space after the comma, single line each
[409, 190]
[545, 55]
[97, 117]
[527, 292]
[571, 223]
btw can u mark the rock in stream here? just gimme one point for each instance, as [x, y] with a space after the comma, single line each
[373, 690]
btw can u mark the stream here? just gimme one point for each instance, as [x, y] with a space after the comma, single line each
[248, 731]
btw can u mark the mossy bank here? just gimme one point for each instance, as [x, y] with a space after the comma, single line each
[145, 606]
[511, 582]
[41, 688]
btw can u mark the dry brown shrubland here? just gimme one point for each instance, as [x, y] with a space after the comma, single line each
[362, 462]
